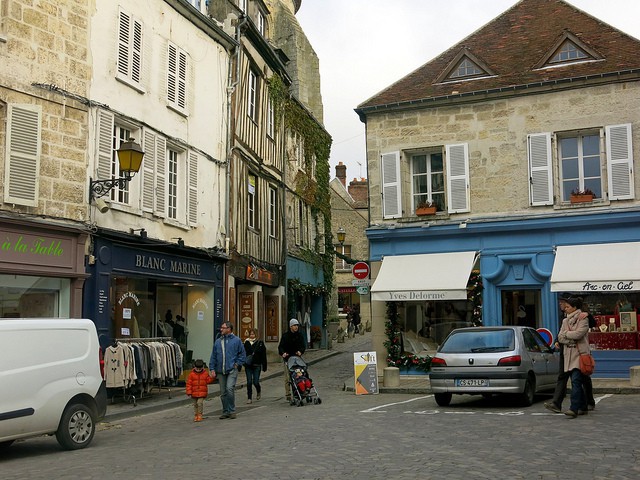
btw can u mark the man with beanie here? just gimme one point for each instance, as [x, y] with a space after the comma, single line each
[291, 343]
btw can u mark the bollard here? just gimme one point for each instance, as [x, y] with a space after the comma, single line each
[391, 377]
[634, 376]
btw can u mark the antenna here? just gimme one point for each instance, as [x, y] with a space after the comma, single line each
[360, 165]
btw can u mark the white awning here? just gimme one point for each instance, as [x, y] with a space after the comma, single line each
[606, 267]
[434, 276]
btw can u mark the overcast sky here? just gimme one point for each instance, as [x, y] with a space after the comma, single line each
[366, 45]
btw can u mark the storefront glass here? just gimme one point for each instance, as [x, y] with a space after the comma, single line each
[616, 315]
[24, 296]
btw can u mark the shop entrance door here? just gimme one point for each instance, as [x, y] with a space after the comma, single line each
[521, 307]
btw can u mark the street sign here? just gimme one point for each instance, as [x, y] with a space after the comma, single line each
[362, 290]
[360, 270]
[365, 282]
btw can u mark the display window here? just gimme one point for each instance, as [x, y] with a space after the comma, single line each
[616, 320]
[23, 296]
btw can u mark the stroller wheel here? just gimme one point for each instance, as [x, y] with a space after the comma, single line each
[299, 403]
[319, 401]
[308, 399]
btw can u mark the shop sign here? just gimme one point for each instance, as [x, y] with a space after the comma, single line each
[621, 286]
[34, 249]
[161, 264]
[346, 289]
[259, 275]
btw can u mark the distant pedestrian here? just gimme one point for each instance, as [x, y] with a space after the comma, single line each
[227, 358]
[256, 362]
[197, 388]
[291, 344]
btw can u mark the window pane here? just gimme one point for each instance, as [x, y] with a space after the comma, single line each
[591, 145]
[569, 147]
[436, 163]
[419, 164]
[437, 183]
[594, 185]
[592, 167]
[420, 184]
[567, 187]
[570, 169]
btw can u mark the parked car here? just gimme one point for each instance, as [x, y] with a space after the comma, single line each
[490, 360]
[50, 380]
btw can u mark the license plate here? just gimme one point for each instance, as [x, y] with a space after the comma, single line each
[472, 382]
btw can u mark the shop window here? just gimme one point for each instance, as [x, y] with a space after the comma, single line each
[24, 296]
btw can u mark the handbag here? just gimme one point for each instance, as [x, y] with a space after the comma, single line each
[249, 360]
[587, 363]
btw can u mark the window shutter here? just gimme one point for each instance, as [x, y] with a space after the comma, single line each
[193, 190]
[620, 162]
[540, 172]
[105, 144]
[182, 80]
[23, 155]
[457, 177]
[123, 44]
[136, 60]
[171, 74]
[161, 173]
[148, 167]
[391, 193]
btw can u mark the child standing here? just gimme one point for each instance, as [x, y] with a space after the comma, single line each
[197, 388]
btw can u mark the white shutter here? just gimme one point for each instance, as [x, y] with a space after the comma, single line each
[104, 144]
[540, 171]
[182, 80]
[23, 145]
[457, 177]
[124, 27]
[391, 192]
[620, 162]
[192, 194]
[172, 74]
[136, 52]
[148, 168]
[161, 173]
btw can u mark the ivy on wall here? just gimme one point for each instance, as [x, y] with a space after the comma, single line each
[314, 191]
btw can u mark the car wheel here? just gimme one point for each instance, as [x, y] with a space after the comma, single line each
[77, 427]
[5, 444]
[442, 399]
[529, 392]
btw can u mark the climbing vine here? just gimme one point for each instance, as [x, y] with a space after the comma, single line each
[314, 191]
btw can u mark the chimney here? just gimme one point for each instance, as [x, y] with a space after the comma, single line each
[341, 173]
[359, 190]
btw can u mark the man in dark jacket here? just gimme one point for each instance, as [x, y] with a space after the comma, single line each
[291, 343]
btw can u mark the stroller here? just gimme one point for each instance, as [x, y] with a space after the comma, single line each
[302, 388]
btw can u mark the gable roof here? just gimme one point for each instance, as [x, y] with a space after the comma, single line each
[514, 47]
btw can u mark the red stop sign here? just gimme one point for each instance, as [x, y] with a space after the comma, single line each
[360, 270]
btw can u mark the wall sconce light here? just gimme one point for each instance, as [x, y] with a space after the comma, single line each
[143, 232]
[103, 207]
[463, 224]
[180, 241]
[341, 235]
[130, 156]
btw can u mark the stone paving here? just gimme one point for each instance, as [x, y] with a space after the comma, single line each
[410, 384]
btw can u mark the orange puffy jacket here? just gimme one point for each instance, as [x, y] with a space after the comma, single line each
[197, 384]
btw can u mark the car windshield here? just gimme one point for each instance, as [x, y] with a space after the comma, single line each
[475, 341]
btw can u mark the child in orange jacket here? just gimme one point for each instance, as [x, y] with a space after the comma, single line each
[197, 388]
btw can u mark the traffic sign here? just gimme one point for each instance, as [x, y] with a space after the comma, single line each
[363, 290]
[364, 282]
[360, 270]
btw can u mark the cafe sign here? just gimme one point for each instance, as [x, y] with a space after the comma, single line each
[616, 286]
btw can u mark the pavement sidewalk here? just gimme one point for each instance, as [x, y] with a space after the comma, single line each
[165, 398]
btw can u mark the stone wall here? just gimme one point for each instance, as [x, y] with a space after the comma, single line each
[496, 132]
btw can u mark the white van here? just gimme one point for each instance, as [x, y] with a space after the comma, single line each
[50, 380]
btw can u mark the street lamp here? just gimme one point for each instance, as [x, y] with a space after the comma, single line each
[341, 235]
[130, 158]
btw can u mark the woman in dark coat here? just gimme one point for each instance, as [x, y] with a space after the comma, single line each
[256, 362]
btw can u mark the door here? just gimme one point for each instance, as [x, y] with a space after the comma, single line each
[521, 307]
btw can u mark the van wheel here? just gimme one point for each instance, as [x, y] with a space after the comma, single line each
[77, 427]
[5, 444]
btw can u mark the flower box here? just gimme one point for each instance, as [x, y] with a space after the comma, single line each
[421, 211]
[581, 198]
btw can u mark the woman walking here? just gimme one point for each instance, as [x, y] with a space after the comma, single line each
[255, 363]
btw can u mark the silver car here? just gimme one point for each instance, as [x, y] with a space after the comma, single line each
[488, 360]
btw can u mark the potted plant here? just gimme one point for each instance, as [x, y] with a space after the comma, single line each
[581, 196]
[426, 208]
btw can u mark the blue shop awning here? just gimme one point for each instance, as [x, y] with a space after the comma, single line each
[433, 276]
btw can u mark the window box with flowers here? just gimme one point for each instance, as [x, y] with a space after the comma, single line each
[581, 196]
[426, 208]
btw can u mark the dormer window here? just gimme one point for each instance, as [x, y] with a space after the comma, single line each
[568, 52]
[466, 68]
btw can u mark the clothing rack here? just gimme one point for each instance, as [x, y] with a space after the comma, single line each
[146, 385]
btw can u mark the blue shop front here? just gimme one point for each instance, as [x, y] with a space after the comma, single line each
[146, 289]
[524, 264]
[305, 298]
